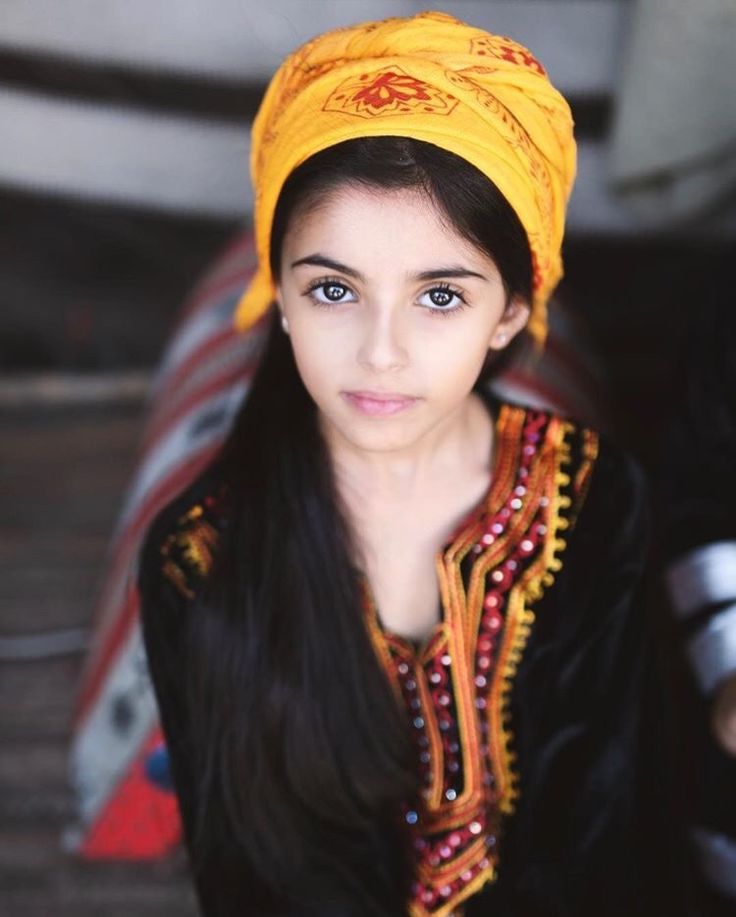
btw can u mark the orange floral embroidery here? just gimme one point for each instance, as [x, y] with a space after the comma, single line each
[388, 87]
[389, 91]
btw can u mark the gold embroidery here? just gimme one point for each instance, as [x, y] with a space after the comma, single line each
[530, 589]
[188, 552]
[591, 446]
[552, 496]
[176, 575]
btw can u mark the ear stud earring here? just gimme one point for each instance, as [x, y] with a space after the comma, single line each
[284, 323]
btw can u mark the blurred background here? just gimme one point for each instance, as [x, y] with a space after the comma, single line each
[124, 139]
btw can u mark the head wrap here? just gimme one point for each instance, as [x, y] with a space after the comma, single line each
[434, 78]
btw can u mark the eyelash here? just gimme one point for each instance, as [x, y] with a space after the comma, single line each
[445, 287]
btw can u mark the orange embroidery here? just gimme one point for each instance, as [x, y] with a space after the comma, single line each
[457, 687]
[188, 551]
[388, 91]
[503, 48]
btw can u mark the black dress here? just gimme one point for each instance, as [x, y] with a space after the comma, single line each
[526, 703]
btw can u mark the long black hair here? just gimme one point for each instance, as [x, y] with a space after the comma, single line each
[301, 750]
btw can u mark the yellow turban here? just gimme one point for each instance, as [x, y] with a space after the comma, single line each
[434, 78]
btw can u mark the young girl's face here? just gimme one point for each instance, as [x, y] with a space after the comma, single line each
[383, 298]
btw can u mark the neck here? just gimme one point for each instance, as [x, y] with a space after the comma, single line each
[461, 444]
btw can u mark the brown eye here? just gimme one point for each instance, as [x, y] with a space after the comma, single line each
[333, 291]
[441, 297]
[325, 292]
[443, 300]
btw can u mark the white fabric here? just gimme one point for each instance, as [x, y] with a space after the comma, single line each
[673, 143]
[702, 577]
[712, 650]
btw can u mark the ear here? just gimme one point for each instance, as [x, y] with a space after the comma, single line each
[513, 320]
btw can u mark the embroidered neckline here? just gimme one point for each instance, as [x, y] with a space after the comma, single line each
[457, 690]
[497, 410]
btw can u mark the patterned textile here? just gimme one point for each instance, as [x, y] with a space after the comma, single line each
[124, 807]
[204, 374]
[434, 78]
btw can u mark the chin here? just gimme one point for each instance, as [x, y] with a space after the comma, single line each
[378, 439]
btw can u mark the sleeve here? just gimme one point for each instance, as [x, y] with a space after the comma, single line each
[590, 808]
[697, 489]
[697, 494]
[225, 883]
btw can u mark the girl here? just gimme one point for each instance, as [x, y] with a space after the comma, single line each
[393, 629]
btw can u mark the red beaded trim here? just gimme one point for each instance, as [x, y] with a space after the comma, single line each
[457, 688]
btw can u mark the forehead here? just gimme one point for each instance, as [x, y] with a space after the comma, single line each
[364, 220]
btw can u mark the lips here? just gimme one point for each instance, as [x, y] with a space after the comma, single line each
[382, 396]
[378, 404]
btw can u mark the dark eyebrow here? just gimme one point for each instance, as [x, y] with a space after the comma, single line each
[322, 261]
[436, 274]
[448, 272]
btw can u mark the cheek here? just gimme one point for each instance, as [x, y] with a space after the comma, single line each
[455, 352]
[317, 362]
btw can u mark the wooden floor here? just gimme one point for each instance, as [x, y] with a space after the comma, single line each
[63, 472]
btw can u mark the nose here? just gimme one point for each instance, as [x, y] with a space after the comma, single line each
[383, 344]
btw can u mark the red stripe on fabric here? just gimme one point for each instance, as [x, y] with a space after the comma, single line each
[218, 383]
[204, 350]
[212, 283]
[215, 289]
[241, 243]
[220, 340]
[139, 821]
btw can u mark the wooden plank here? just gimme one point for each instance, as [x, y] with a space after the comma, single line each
[125, 155]
[29, 390]
[33, 762]
[41, 597]
[38, 878]
[578, 40]
[36, 698]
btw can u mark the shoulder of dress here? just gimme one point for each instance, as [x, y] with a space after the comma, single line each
[565, 450]
[580, 445]
[590, 453]
[183, 537]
